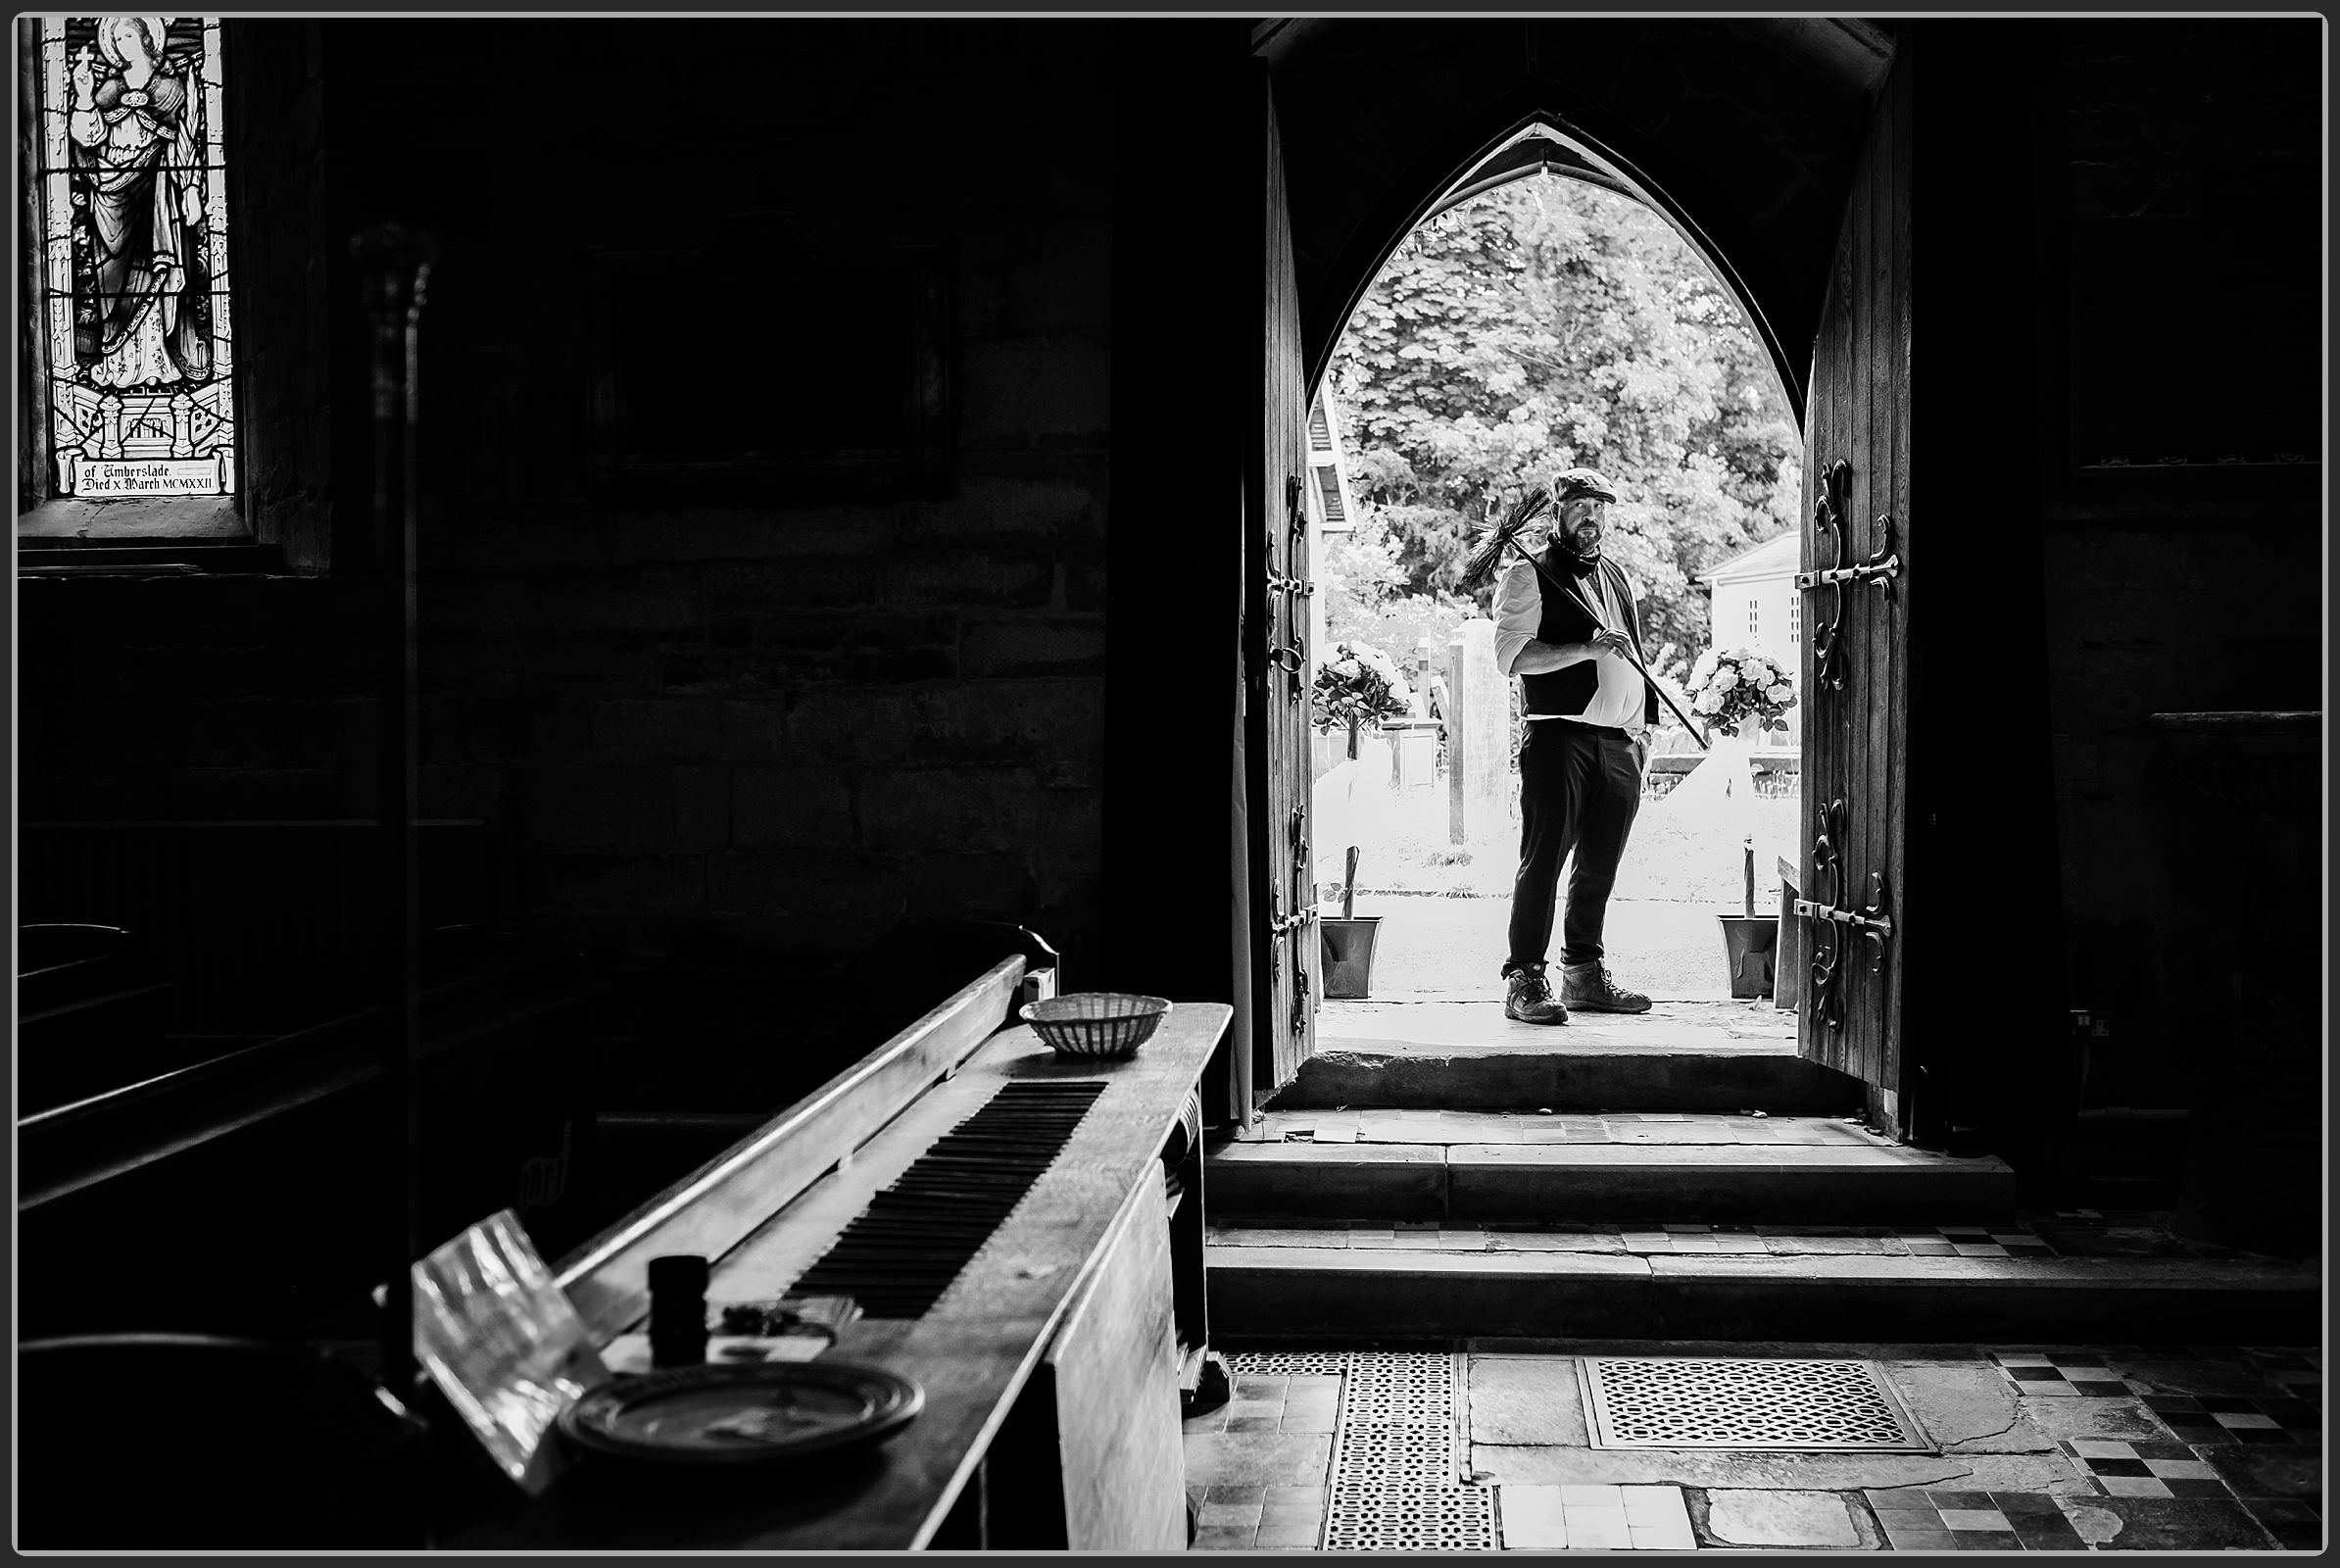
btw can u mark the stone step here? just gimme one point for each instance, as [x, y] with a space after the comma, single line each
[1264, 1297]
[1848, 1178]
[1681, 1055]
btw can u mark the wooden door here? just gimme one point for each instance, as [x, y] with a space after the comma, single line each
[1856, 662]
[1286, 959]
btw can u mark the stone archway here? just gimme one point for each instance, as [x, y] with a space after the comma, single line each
[1745, 133]
[1543, 120]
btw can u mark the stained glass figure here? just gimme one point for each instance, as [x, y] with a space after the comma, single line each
[133, 185]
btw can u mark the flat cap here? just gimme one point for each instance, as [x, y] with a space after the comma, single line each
[1570, 483]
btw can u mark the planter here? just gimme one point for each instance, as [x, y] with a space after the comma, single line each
[1749, 942]
[1349, 955]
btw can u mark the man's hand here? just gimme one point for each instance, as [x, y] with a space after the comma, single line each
[1612, 642]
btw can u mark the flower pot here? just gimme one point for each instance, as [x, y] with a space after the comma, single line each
[1349, 955]
[1748, 943]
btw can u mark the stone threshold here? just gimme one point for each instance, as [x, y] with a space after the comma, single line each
[1477, 1020]
[1545, 1125]
[1263, 1295]
[1827, 1182]
[1705, 1056]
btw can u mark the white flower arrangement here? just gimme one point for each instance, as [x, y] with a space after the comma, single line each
[1738, 687]
[1358, 685]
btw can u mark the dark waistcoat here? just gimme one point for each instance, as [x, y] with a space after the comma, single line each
[1567, 692]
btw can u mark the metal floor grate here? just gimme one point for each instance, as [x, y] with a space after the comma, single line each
[903, 1250]
[1707, 1402]
[1287, 1364]
[1398, 1459]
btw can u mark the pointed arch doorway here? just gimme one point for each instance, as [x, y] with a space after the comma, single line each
[1852, 401]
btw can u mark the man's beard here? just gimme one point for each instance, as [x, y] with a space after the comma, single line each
[1580, 563]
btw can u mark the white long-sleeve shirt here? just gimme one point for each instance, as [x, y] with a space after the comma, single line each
[1619, 700]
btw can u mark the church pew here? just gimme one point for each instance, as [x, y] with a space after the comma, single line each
[242, 1194]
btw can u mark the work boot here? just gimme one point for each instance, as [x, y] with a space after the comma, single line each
[1588, 986]
[1528, 998]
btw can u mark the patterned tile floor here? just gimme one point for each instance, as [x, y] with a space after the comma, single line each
[2220, 1450]
[1939, 1519]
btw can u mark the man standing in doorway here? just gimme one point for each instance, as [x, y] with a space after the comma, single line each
[1589, 716]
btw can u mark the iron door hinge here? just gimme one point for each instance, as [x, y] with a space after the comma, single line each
[1831, 516]
[1869, 922]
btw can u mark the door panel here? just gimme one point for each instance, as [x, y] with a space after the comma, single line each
[1856, 675]
[1285, 960]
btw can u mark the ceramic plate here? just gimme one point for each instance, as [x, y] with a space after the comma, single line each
[742, 1416]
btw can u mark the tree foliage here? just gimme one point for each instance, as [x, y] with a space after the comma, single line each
[1545, 324]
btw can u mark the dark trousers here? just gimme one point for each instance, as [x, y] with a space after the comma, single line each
[1579, 790]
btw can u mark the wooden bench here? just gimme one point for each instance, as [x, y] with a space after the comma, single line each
[241, 1195]
[254, 924]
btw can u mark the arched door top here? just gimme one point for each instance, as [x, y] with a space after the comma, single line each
[1541, 143]
[1744, 133]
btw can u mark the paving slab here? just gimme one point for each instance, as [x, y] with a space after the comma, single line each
[1553, 1465]
[1965, 1407]
[2253, 1471]
[1737, 1517]
[1519, 1399]
[1532, 1519]
[2092, 1520]
[2169, 1524]
[1291, 1517]
[2082, 1418]
[1258, 1459]
[2050, 1472]
[2149, 1373]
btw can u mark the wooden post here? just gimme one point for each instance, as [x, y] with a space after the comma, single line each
[1478, 736]
[394, 264]
[1456, 829]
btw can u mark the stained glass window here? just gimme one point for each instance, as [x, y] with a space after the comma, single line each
[135, 276]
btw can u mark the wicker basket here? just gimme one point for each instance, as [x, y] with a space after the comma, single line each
[1095, 1023]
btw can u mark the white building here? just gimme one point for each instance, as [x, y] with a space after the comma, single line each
[1331, 506]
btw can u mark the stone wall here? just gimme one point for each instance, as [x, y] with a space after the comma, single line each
[2177, 183]
[736, 742]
